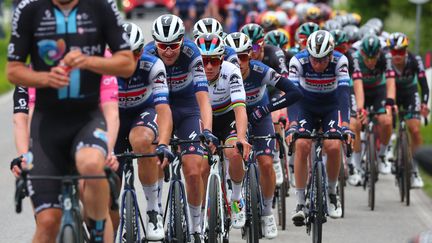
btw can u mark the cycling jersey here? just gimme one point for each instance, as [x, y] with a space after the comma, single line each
[412, 74]
[147, 87]
[231, 56]
[372, 78]
[274, 57]
[326, 91]
[186, 77]
[44, 32]
[227, 91]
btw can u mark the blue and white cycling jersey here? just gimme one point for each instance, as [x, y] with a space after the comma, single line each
[146, 88]
[329, 89]
[255, 84]
[186, 77]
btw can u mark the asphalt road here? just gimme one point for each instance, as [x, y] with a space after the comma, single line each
[391, 222]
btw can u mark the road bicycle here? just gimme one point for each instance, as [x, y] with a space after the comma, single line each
[72, 228]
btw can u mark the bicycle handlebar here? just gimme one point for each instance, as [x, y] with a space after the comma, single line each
[320, 135]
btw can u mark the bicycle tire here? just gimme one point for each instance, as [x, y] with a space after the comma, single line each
[399, 170]
[406, 158]
[318, 203]
[214, 233]
[281, 200]
[68, 235]
[341, 184]
[253, 204]
[372, 170]
[131, 228]
[178, 229]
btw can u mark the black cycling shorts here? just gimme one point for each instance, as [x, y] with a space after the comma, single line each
[376, 98]
[409, 102]
[55, 139]
[224, 126]
[353, 104]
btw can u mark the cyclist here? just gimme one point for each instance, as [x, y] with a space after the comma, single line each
[189, 103]
[374, 86]
[143, 97]
[228, 100]
[256, 76]
[410, 72]
[76, 138]
[273, 57]
[342, 45]
[212, 26]
[322, 74]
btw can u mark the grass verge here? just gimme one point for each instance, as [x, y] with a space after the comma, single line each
[4, 83]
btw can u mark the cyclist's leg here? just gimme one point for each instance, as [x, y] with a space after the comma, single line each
[50, 158]
[189, 128]
[143, 132]
[355, 126]
[384, 120]
[90, 148]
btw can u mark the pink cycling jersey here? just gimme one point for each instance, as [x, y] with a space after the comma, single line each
[108, 88]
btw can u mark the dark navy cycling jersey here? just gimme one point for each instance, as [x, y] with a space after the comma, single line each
[186, 76]
[412, 75]
[146, 88]
[373, 78]
[329, 89]
[274, 57]
[43, 31]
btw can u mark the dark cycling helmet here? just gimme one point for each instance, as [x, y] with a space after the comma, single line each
[305, 30]
[332, 25]
[397, 41]
[254, 31]
[352, 33]
[370, 45]
[325, 10]
[320, 44]
[210, 45]
[313, 14]
[276, 38]
[207, 26]
[339, 37]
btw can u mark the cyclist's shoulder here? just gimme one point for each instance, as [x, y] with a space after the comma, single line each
[150, 48]
[302, 57]
[229, 68]
[190, 50]
[258, 68]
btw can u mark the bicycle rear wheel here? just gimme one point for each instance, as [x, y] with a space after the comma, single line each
[372, 166]
[178, 222]
[214, 233]
[281, 200]
[407, 167]
[399, 170]
[253, 220]
[341, 185]
[318, 203]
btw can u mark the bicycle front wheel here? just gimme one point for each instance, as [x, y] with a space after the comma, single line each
[214, 232]
[281, 200]
[341, 184]
[178, 223]
[318, 216]
[130, 230]
[407, 167]
[252, 206]
[372, 166]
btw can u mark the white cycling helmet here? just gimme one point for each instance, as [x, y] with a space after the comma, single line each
[240, 42]
[135, 34]
[320, 43]
[168, 28]
[210, 45]
[207, 26]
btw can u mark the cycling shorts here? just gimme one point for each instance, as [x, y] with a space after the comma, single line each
[376, 99]
[55, 140]
[263, 128]
[187, 126]
[409, 102]
[353, 104]
[224, 126]
[309, 120]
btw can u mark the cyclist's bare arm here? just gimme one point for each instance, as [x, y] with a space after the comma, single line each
[165, 123]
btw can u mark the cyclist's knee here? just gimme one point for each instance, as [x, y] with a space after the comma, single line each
[385, 121]
[192, 168]
[48, 222]
[265, 164]
[141, 137]
[332, 147]
[303, 146]
[89, 161]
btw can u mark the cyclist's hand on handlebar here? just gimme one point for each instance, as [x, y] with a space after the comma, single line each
[362, 115]
[211, 139]
[424, 110]
[290, 133]
[163, 151]
[112, 162]
[348, 134]
[17, 165]
[246, 147]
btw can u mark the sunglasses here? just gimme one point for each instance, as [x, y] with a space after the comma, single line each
[320, 60]
[401, 52]
[257, 46]
[243, 57]
[172, 46]
[214, 61]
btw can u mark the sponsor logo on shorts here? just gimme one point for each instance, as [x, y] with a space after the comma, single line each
[100, 134]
